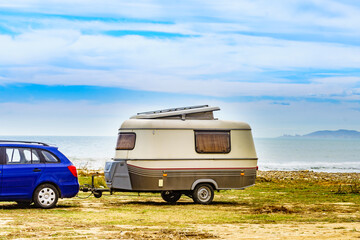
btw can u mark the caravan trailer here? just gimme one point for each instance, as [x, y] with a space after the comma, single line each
[182, 151]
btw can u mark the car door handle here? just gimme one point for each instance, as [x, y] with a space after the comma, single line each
[36, 170]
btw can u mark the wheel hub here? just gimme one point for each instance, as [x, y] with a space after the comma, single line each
[204, 194]
[46, 196]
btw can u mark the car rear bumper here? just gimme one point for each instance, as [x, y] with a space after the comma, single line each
[69, 190]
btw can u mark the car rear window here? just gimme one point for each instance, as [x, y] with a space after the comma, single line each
[49, 157]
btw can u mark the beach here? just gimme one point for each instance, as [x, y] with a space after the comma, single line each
[310, 176]
[281, 205]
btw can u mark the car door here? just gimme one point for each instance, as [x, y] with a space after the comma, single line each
[21, 172]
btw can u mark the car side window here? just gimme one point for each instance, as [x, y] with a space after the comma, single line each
[31, 156]
[13, 156]
[49, 158]
[21, 156]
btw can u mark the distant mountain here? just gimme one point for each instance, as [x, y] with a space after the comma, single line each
[341, 133]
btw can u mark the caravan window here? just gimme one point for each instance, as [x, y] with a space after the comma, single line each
[212, 141]
[126, 141]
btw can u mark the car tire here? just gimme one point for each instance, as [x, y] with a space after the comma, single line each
[203, 194]
[46, 196]
[170, 196]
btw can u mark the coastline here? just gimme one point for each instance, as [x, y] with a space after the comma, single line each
[307, 175]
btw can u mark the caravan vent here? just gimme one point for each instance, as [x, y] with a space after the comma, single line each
[201, 112]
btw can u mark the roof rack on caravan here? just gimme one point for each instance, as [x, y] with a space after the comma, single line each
[200, 112]
[29, 142]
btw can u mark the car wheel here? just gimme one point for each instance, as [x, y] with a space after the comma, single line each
[203, 193]
[170, 196]
[46, 196]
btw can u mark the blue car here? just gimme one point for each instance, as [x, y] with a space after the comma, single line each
[35, 172]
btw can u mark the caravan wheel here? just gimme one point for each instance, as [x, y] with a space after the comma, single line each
[170, 196]
[203, 193]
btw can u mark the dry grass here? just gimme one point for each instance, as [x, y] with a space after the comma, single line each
[290, 204]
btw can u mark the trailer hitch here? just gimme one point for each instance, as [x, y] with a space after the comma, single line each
[97, 192]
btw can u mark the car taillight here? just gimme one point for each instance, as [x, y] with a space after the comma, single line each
[72, 169]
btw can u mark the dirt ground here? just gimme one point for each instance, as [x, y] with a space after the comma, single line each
[291, 231]
[282, 205]
[284, 231]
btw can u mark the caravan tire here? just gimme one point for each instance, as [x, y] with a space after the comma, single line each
[170, 196]
[203, 193]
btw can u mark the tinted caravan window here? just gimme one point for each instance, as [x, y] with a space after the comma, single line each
[126, 141]
[212, 141]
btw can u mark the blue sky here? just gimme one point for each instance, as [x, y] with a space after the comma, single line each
[82, 67]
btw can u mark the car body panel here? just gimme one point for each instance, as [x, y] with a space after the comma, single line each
[1, 172]
[19, 180]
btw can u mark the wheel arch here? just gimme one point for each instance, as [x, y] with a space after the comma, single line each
[209, 181]
[48, 182]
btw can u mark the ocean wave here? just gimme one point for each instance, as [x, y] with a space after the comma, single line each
[314, 166]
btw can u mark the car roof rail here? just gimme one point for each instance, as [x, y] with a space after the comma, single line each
[29, 142]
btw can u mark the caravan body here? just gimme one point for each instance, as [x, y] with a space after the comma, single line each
[178, 149]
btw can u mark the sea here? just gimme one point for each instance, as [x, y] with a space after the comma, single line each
[290, 154]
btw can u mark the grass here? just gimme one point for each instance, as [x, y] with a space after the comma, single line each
[129, 215]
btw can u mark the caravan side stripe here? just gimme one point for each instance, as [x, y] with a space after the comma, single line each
[192, 168]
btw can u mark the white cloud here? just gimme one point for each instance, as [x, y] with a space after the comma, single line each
[147, 9]
[339, 88]
[296, 16]
[181, 65]
[216, 60]
[208, 53]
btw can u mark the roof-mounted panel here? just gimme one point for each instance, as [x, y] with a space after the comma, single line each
[201, 112]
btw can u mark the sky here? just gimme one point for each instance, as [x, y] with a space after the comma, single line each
[82, 67]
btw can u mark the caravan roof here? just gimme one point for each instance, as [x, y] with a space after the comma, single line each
[179, 124]
[193, 117]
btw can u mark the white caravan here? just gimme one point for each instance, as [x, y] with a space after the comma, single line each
[182, 151]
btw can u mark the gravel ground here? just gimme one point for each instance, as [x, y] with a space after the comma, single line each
[308, 176]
